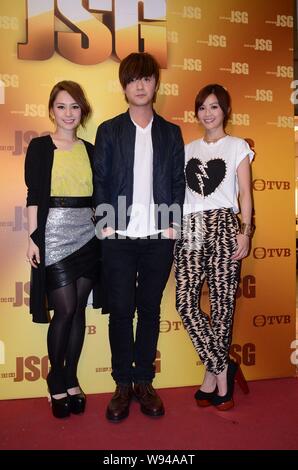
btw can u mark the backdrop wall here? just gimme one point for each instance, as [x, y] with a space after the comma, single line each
[242, 44]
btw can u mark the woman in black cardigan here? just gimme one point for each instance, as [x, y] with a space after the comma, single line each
[62, 249]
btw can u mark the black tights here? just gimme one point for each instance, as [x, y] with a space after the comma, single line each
[66, 333]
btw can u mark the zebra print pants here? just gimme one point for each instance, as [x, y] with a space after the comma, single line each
[208, 240]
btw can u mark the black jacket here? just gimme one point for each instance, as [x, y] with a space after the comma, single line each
[38, 172]
[114, 163]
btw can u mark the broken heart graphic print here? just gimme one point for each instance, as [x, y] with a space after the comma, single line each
[211, 173]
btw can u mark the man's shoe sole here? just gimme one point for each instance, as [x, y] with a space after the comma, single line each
[153, 414]
[116, 419]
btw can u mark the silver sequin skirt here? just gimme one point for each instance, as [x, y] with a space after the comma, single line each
[71, 248]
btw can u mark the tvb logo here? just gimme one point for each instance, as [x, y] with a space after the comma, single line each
[31, 368]
[94, 30]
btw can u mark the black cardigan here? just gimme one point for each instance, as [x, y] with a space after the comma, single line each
[38, 172]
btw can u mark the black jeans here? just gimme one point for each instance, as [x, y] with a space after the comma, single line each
[135, 274]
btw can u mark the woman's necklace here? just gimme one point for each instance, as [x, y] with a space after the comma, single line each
[212, 141]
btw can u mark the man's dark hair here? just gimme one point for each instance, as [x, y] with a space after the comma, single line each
[138, 65]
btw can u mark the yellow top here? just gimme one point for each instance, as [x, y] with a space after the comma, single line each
[71, 172]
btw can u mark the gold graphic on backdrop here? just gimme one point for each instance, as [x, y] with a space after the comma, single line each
[90, 37]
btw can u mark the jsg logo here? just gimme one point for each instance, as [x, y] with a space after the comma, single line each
[192, 12]
[173, 37]
[189, 116]
[192, 64]
[23, 138]
[10, 80]
[284, 71]
[240, 68]
[239, 119]
[35, 110]
[125, 27]
[264, 95]
[20, 219]
[263, 44]
[247, 287]
[239, 16]
[285, 21]
[31, 368]
[245, 354]
[169, 89]
[216, 40]
[21, 289]
[285, 121]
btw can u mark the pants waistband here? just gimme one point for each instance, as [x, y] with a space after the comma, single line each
[156, 236]
[71, 201]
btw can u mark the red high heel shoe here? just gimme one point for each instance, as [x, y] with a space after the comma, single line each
[234, 374]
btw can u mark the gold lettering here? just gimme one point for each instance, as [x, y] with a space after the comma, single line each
[70, 44]
[40, 31]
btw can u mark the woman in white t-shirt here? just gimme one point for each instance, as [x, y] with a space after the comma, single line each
[212, 243]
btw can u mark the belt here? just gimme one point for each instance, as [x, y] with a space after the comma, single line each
[70, 201]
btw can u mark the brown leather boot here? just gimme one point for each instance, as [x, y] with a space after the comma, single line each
[149, 400]
[118, 408]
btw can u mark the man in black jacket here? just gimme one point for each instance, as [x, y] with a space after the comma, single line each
[139, 193]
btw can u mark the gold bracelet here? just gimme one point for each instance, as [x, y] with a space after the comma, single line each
[247, 229]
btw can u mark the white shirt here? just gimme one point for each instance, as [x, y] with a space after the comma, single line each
[211, 173]
[142, 220]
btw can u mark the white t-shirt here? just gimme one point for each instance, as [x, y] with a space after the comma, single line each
[211, 173]
[142, 220]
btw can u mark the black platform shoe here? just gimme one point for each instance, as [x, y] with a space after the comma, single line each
[204, 399]
[77, 402]
[234, 373]
[60, 406]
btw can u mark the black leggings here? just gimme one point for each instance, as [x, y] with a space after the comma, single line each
[66, 333]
